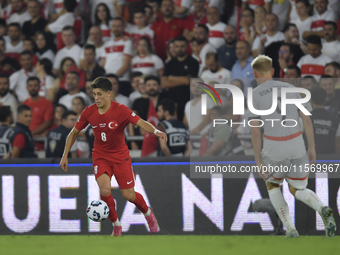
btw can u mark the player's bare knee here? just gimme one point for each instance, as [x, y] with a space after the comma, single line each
[129, 195]
[105, 191]
[271, 185]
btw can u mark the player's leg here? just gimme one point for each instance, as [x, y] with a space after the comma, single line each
[103, 173]
[125, 177]
[276, 197]
[298, 187]
[281, 207]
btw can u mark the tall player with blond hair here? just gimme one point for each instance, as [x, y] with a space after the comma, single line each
[284, 146]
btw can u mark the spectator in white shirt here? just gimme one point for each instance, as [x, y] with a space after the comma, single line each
[103, 20]
[202, 37]
[44, 46]
[140, 29]
[71, 49]
[331, 46]
[273, 35]
[215, 72]
[95, 38]
[314, 63]
[20, 14]
[44, 71]
[6, 97]
[319, 18]
[303, 21]
[18, 79]
[215, 26]
[72, 83]
[14, 44]
[146, 62]
[117, 55]
[64, 18]
[115, 96]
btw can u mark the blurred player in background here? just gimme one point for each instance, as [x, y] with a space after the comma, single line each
[284, 146]
[110, 154]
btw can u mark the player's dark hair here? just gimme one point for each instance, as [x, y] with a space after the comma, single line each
[48, 65]
[102, 83]
[4, 76]
[136, 74]
[305, 2]
[205, 28]
[60, 105]
[212, 54]
[67, 28]
[296, 68]
[153, 78]
[111, 75]
[97, 21]
[26, 52]
[290, 46]
[309, 77]
[287, 27]
[120, 19]
[22, 108]
[168, 105]
[139, 10]
[148, 43]
[5, 112]
[75, 73]
[68, 113]
[70, 5]
[14, 24]
[79, 98]
[314, 39]
[332, 23]
[318, 95]
[90, 47]
[335, 64]
[180, 38]
[33, 78]
[249, 10]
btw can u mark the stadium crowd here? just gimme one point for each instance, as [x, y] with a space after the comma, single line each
[52, 50]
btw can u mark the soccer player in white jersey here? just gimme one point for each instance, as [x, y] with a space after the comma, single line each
[284, 146]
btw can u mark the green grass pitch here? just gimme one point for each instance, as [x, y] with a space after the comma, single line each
[164, 245]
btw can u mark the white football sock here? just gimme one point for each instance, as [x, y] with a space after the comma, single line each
[309, 198]
[281, 208]
[116, 223]
[147, 213]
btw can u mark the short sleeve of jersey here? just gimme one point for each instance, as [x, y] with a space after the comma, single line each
[19, 141]
[128, 49]
[131, 116]
[82, 121]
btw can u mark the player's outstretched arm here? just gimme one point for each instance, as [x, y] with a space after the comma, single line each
[148, 127]
[308, 125]
[71, 138]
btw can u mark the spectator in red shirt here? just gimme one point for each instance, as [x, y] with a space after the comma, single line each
[198, 17]
[42, 109]
[166, 28]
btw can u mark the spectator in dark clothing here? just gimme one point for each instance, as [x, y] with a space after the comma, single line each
[326, 127]
[6, 119]
[37, 23]
[56, 138]
[90, 66]
[227, 52]
[21, 139]
[176, 76]
[332, 103]
[285, 59]
[7, 65]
